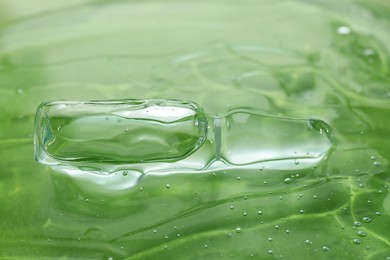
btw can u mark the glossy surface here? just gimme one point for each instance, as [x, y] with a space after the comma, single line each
[118, 131]
[302, 59]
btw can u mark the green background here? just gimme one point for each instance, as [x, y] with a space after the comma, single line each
[305, 59]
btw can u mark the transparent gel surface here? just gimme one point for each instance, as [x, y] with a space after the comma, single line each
[249, 138]
[104, 136]
[320, 59]
[118, 132]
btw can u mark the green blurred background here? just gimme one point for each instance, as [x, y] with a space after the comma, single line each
[305, 59]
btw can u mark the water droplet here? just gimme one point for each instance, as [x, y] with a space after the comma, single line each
[245, 214]
[368, 52]
[296, 162]
[276, 226]
[367, 219]
[238, 230]
[287, 231]
[287, 180]
[168, 186]
[356, 241]
[377, 164]
[378, 213]
[302, 211]
[126, 129]
[270, 252]
[325, 248]
[343, 30]
[239, 178]
[231, 207]
[86, 200]
[270, 239]
[380, 191]
[361, 233]
[155, 231]
[357, 224]
[205, 246]
[125, 173]
[308, 242]
[260, 212]
[361, 185]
